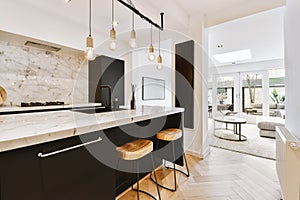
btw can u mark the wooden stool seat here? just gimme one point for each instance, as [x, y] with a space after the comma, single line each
[135, 150]
[170, 134]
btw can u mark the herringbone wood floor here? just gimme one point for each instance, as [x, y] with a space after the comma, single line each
[223, 175]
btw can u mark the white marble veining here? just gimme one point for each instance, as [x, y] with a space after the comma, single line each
[18, 108]
[30, 74]
[23, 130]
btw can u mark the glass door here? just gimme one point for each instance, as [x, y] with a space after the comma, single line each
[255, 96]
[225, 94]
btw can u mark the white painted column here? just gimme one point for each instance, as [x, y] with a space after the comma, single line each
[292, 43]
[197, 137]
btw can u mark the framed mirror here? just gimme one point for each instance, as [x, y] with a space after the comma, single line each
[153, 89]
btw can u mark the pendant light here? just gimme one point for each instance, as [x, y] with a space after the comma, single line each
[151, 55]
[89, 53]
[159, 58]
[113, 42]
[132, 41]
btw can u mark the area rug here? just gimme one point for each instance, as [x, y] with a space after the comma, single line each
[255, 145]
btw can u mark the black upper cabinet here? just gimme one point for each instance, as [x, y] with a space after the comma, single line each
[106, 71]
[184, 88]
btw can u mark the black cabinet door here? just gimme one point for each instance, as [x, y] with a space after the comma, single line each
[20, 175]
[76, 174]
[184, 80]
[106, 71]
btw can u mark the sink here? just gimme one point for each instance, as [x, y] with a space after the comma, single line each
[94, 110]
[91, 110]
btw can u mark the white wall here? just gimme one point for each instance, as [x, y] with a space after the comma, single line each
[292, 43]
[248, 67]
[262, 33]
[142, 67]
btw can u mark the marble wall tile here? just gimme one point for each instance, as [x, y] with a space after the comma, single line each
[30, 74]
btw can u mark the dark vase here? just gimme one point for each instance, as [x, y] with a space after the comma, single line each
[132, 103]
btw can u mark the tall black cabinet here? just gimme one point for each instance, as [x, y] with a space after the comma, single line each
[106, 71]
[184, 80]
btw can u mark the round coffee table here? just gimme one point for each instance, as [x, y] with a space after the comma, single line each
[226, 133]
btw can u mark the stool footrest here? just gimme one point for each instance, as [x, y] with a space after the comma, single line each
[170, 189]
[144, 192]
[187, 174]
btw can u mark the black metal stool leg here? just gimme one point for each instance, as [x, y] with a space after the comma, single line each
[138, 186]
[153, 168]
[137, 180]
[187, 174]
[174, 172]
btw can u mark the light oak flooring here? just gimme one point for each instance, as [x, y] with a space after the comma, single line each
[223, 175]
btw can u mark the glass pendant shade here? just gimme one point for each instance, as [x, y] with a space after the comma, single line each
[159, 63]
[89, 53]
[113, 42]
[151, 55]
[132, 41]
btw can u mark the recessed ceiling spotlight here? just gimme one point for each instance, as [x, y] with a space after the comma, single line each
[67, 1]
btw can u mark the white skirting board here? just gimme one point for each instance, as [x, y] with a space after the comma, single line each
[288, 163]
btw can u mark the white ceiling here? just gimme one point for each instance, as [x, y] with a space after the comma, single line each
[67, 24]
[262, 34]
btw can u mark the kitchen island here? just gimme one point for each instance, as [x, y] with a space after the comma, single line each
[43, 155]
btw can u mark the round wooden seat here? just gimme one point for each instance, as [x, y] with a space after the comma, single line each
[170, 134]
[135, 150]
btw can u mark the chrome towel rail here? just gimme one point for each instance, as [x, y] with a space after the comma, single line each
[41, 155]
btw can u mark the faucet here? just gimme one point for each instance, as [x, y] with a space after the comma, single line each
[109, 96]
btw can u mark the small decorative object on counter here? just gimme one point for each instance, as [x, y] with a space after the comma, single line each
[116, 104]
[132, 102]
[3, 95]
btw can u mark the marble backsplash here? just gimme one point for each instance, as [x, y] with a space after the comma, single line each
[29, 74]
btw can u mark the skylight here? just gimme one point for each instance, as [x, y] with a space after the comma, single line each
[234, 56]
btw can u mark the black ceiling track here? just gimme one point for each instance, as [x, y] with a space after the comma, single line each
[161, 26]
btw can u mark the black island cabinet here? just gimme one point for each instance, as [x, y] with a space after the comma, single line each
[70, 175]
[66, 169]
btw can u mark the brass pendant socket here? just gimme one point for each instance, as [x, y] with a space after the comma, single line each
[113, 34]
[90, 42]
[133, 34]
[151, 49]
[159, 59]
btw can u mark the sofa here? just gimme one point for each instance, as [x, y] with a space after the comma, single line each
[257, 109]
[267, 126]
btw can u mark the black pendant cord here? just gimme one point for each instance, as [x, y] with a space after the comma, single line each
[151, 35]
[159, 42]
[133, 21]
[90, 19]
[161, 26]
[112, 13]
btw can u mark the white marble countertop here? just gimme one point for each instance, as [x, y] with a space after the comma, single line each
[28, 129]
[19, 108]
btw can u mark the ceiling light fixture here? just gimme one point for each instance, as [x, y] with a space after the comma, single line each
[67, 1]
[113, 37]
[151, 55]
[132, 41]
[159, 58]
[89, 53]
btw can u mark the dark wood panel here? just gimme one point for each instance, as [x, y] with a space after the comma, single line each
[184, 80]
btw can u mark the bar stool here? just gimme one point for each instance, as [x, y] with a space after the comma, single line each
[134, 151]
[171, 135]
